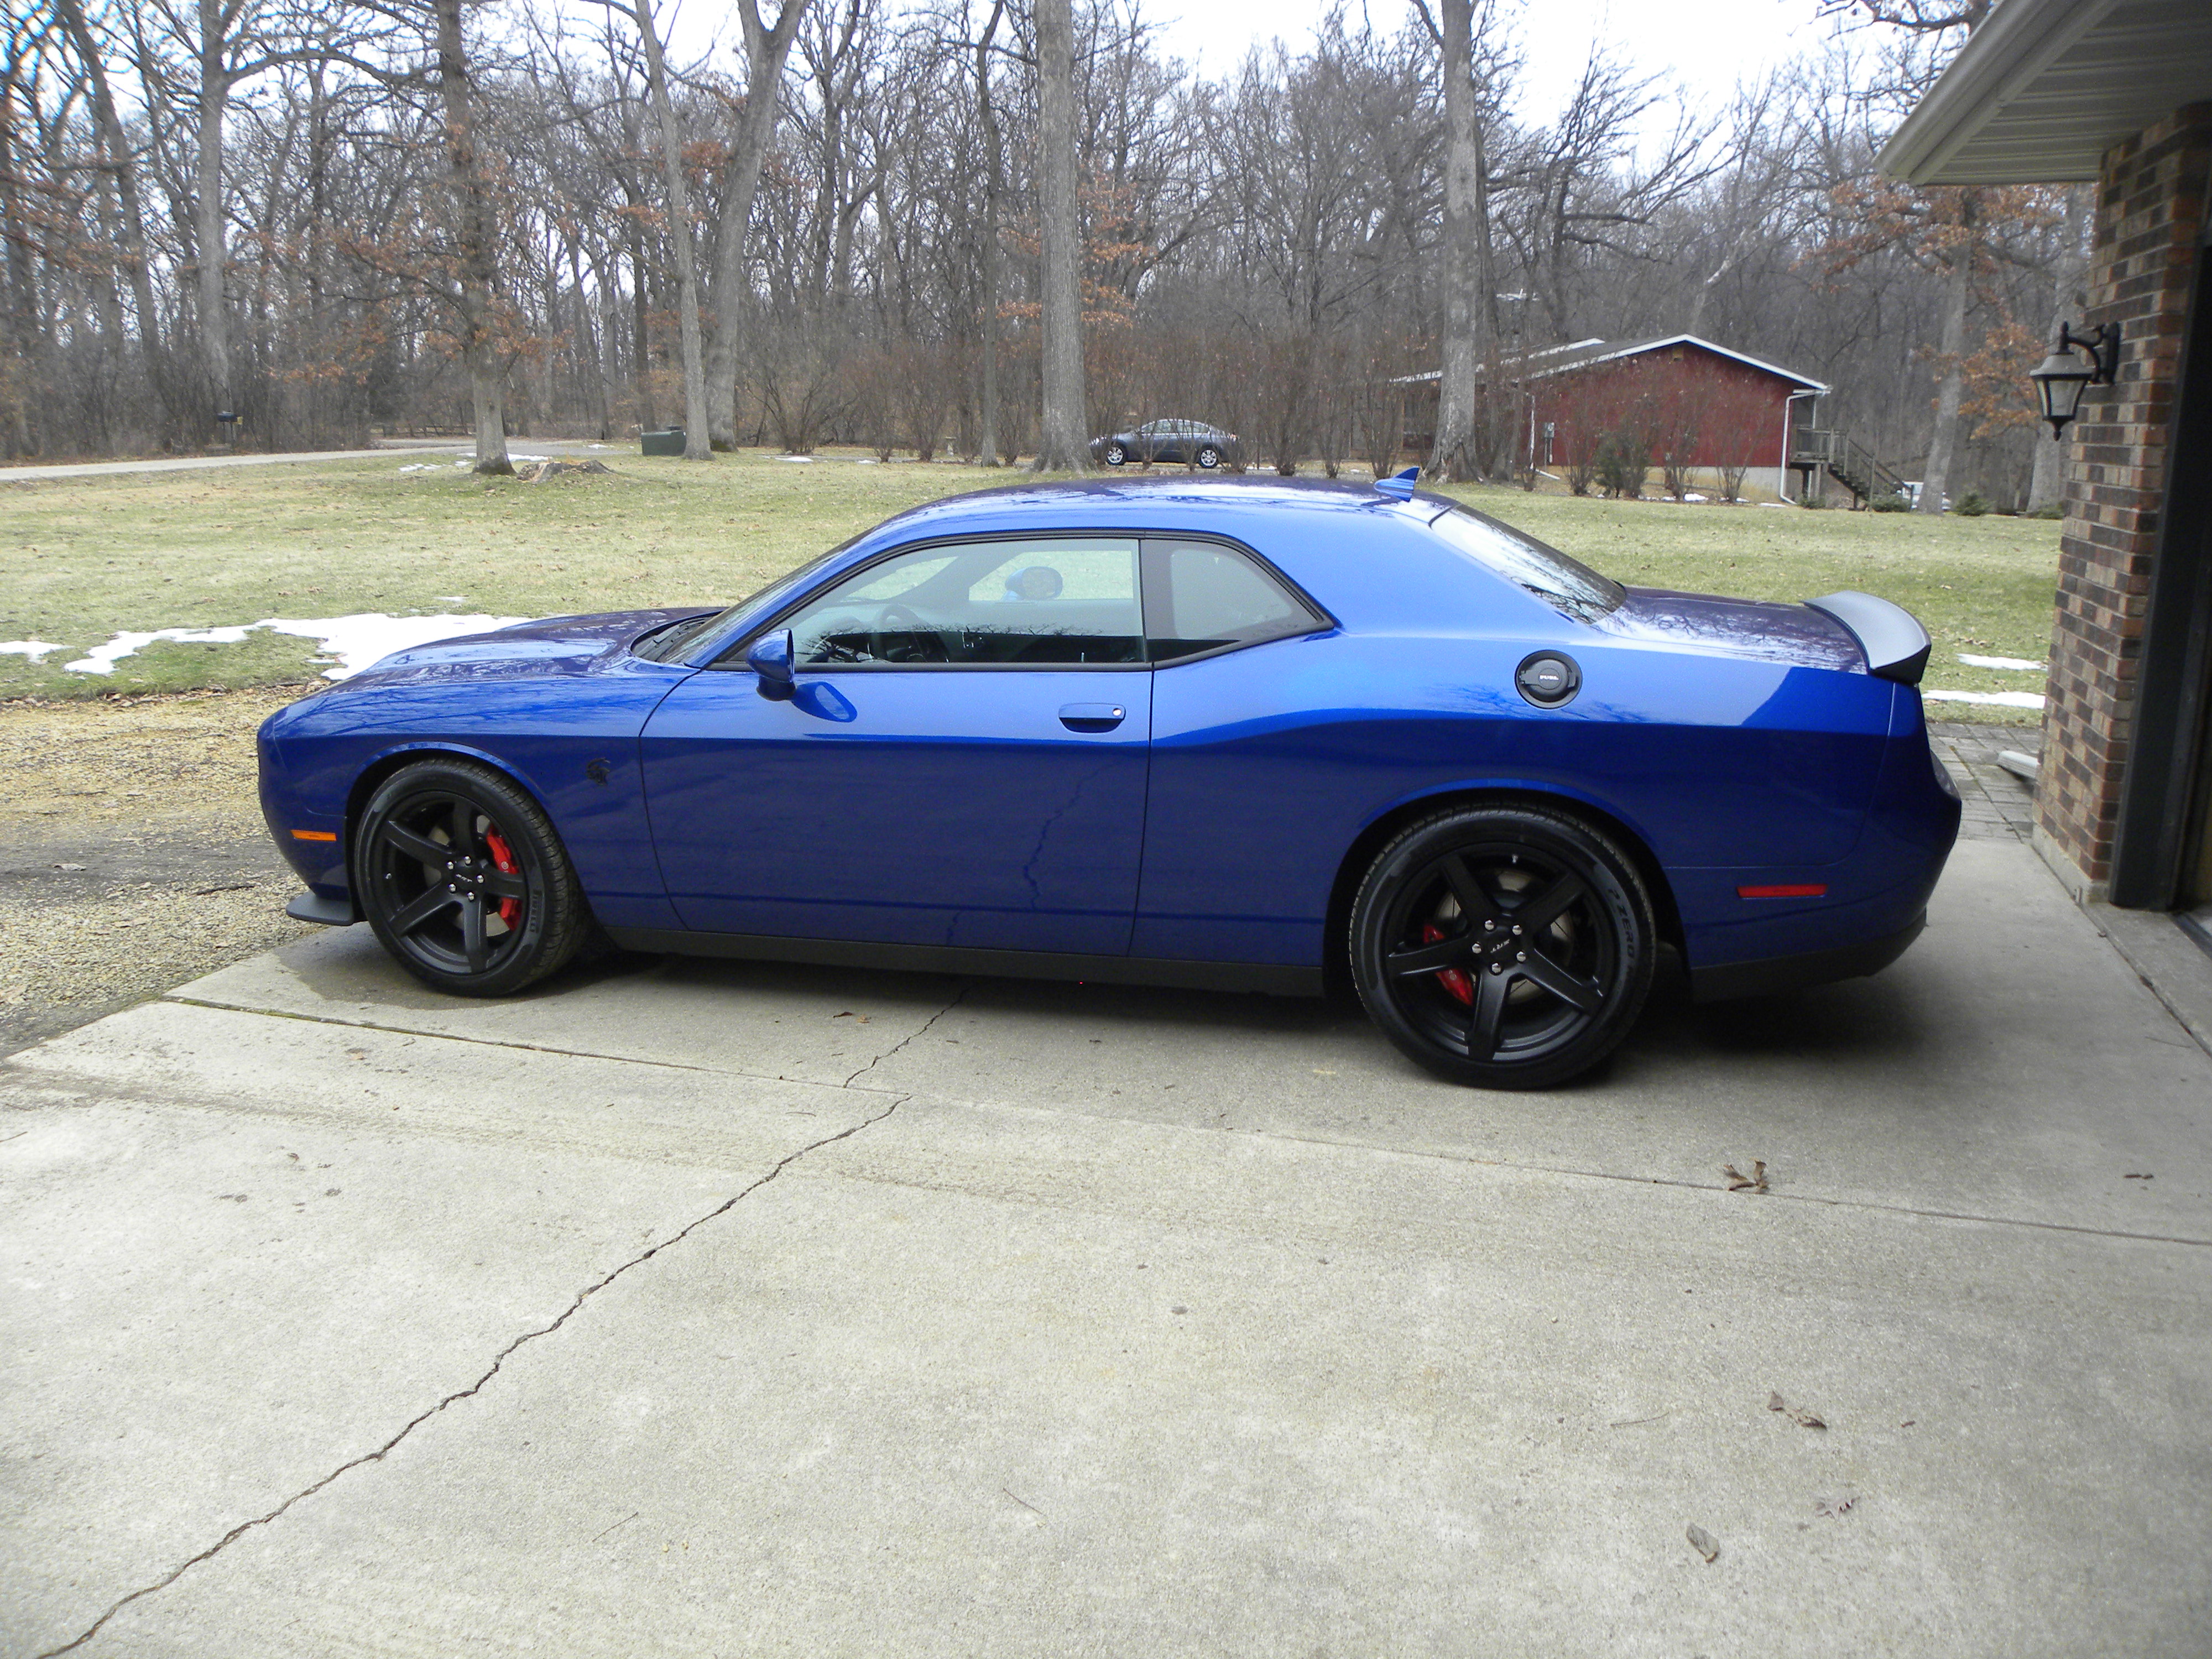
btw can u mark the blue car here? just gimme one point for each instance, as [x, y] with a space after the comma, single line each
[1269, 736]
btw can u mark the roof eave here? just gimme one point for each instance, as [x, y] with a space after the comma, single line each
[2019, 41]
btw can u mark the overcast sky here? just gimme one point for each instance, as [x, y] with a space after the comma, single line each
[1707, 46]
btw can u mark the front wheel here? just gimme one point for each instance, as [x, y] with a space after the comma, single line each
[465, 882]
[1209, 458]
[1506, 947]
[1116, 455]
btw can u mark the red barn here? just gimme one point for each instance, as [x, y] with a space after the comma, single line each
[1705, 405]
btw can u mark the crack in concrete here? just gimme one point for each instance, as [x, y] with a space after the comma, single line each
[921, 1031]
[498, 1360]
[500, 1043]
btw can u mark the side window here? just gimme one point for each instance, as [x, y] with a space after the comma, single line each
[1201, 596]
[1043, 602]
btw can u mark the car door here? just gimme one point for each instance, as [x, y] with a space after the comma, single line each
[963, 762]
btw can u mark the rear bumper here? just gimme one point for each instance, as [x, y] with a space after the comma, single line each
[1729, 981]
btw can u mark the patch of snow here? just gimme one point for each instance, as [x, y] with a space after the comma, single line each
[1997, 699]
[1692, 496]
[35, 649]
[802, 459]
[2018, 664]
[1777, 503]
[352, 642]
[452, 598]
[422, 466]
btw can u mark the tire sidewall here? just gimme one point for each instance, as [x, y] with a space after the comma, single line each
[1209, 465]
[547, 936]
[1612, 876]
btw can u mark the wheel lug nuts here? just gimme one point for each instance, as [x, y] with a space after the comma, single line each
[1517, 928]
[1488, 926]
[1520, 956]
[1497, 967]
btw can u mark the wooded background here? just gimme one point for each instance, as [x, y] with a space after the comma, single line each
[329, 217]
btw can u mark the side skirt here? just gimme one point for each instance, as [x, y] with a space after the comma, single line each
[1729, 981]
[956, 959]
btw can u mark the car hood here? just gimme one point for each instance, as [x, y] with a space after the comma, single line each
[1761, 630]
[551, 645]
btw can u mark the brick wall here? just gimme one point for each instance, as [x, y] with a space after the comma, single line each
[2151, 204]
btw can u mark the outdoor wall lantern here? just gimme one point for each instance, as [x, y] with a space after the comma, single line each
[2063, 377]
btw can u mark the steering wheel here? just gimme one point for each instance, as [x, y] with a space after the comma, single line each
[927, 645]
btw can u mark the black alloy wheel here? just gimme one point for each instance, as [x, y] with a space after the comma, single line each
[1116, 455]
[1509, 947]
[1209, 457]
[464, 880]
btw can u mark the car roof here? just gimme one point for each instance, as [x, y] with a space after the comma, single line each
[1190, 501]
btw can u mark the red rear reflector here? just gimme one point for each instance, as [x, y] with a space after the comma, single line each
[313, 834]
[1787, 890]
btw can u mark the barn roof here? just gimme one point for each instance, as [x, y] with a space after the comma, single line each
[1586, 354]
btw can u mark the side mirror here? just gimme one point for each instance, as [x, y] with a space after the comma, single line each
[769, 657]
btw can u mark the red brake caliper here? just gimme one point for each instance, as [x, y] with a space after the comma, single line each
[502, 856]
[1450, 978]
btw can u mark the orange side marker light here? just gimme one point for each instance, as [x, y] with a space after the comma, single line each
[314, 835]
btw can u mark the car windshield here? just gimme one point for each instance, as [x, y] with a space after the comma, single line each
[1551, 575]
[669, 642]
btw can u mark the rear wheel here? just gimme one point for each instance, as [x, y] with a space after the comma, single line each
[1116, 455]
[1209, 458]
[465, 882]
[1507, 947]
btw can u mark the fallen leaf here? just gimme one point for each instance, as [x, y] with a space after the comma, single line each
[1831, 1508]
[1797, 1414]
[1740, 1183]
[1704, 1542]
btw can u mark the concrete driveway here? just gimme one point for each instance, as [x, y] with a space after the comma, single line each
[697, 1309]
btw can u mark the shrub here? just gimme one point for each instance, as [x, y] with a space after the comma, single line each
[1813, 502]
[1971, 505]
[2049, 510]
[1890, 504]
[1623, 462]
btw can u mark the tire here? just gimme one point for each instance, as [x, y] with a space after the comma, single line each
[1209, 457]
[1446, 971]
[511, 911]
[1116, 455]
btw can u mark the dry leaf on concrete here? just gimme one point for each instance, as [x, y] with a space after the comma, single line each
[1830, 1507]
[1797, 1414]
[1703, 1541]
[1738, 1181]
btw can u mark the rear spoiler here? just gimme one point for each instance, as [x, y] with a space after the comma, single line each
[1895, 643]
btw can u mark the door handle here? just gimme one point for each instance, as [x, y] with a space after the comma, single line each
[1092, 716]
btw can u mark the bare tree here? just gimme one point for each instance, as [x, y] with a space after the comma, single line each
[1065, 444]
[766, 48]
[696, 440]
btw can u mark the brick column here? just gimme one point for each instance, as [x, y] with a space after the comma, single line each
[2151, 204]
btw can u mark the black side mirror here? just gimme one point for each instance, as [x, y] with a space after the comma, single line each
[769, 657]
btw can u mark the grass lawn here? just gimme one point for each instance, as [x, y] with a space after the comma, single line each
[88, 558]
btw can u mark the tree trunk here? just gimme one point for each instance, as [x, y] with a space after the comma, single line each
[1063, 446]
[988, 119]
[479, 266]
[766, 49]
[1465, 280]
[207, 211]
[2048, 482]
[696, 435]
[117, 145]
[1957, 282]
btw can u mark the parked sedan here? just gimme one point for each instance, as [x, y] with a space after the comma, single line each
[1183, 443]
[1251, 735]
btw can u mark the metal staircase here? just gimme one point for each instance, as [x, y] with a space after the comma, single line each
[1816, 449]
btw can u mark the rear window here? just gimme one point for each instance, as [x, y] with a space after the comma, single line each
[1561, 582]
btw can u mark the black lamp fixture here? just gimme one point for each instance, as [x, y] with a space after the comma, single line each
[2063, 377]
